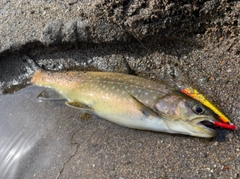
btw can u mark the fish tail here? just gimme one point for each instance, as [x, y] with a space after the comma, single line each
[39, 73]
[32, 63]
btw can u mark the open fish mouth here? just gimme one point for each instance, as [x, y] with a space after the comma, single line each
[205, 123]
[208, 124]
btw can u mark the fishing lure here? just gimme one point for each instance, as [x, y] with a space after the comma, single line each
[201, 98]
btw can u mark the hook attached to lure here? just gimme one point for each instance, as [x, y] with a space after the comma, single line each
[199, 97]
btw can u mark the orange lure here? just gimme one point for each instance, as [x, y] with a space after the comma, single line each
[199, 97]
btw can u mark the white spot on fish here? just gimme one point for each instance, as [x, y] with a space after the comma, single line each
[154, 97]
[139, 91]
[113, 87]
[123, 92]
[126, 87]
[146, 93]
[132, 91]
[118, 90]
[147, 101]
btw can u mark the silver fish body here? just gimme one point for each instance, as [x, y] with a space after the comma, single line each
[130, 101]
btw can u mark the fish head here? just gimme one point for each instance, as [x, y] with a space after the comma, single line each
[185, 115]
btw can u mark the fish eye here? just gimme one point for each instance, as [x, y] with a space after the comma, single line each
[198, 109]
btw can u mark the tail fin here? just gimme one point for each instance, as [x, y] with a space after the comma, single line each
[33, 65]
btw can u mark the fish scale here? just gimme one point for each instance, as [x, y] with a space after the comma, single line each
[144, 90]
[146, 96]
[124, 80]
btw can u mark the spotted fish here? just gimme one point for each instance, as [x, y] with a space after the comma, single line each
[131, 101]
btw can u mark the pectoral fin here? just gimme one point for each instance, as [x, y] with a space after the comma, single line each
[144, 109]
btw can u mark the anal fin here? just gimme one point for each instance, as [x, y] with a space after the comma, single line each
[79, 105]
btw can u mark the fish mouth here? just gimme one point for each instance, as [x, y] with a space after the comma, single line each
[207, 127]
[207, 124]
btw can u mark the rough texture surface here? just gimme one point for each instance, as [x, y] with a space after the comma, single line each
[193, 43]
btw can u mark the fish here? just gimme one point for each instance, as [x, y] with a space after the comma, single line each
[131, 101]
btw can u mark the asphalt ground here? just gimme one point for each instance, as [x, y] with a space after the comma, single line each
[50, 140]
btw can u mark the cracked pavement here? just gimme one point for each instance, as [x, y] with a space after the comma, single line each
[73, 155]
